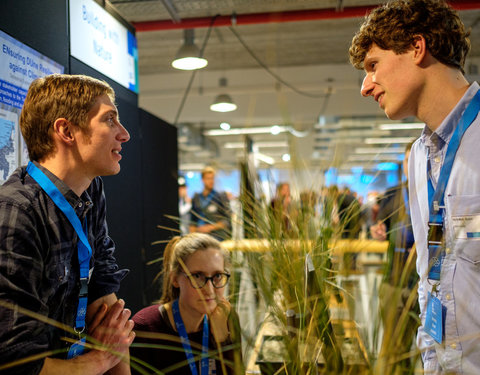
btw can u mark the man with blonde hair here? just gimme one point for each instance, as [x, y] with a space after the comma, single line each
[58, 276]
[211, 211]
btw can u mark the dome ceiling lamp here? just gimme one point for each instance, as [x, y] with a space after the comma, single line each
[223, 102]
[188, 56]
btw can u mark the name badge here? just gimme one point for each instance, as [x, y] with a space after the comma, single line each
[435, 318]
[466, 227]
[212, 208]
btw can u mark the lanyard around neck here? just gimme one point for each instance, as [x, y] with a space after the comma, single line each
[83, 247]
[182, 332]
[436, 197]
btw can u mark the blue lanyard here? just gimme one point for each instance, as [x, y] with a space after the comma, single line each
[186, 343]
[436, 197]
[83, 247]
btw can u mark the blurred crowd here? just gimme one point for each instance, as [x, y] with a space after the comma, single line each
[352, 215]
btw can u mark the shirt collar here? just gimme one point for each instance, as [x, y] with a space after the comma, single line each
[445, 131]
[68, 193]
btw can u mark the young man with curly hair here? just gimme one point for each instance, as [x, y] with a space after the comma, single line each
[413, 53]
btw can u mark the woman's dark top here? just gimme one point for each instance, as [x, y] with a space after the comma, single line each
[167, 356]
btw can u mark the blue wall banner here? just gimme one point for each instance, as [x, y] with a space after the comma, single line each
[102, 42]
[19, 66]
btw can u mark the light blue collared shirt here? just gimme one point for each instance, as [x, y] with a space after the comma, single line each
[460, 275]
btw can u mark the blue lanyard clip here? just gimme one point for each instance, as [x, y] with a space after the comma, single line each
[436, 206]
[435, 233]
[83, 286]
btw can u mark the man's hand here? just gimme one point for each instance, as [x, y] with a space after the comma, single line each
[113, 329]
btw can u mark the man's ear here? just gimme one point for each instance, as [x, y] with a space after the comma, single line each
[420, 51]
[63, 130]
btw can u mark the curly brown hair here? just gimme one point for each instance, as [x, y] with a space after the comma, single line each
[395, 25]
[57, 96]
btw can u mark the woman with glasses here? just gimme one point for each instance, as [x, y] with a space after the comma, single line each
[193, 330]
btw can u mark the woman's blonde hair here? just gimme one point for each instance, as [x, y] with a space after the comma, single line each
[177, 252]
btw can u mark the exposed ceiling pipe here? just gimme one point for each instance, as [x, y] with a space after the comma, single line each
[171, 10]
[276, 17]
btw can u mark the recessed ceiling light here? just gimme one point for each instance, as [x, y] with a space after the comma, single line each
[275, 129]
[402, 126]
[225, 126]
[286, 157]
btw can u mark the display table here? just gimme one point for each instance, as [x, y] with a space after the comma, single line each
[338, 247]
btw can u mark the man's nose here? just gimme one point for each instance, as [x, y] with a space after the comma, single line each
[367, 86]
[124, 135]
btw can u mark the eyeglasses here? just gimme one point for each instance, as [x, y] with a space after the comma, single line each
[199, 280]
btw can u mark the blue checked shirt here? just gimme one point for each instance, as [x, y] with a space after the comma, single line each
[460, 276]
[39, 265]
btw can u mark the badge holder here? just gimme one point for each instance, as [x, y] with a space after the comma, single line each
[436, 312]
[435, 318]
[78, 347]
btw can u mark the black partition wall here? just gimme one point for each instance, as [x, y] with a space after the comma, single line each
[145, 192]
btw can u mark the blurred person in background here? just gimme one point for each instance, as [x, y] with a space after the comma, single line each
[308, 214]
[394, 213]
[184, 206]
[211, 212]
[400, 277]
[349, 212]
[369, 212]
[283, 208]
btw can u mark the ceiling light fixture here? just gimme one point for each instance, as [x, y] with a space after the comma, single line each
[286, 157]
[242, 131]
[265, 144]
[190, 168]
[188, 56]
[402, 126]
[265, 158]
[275, 130]
[225, 126]
[380, 150]
[223, 102]
[371, 158]
[388, 140]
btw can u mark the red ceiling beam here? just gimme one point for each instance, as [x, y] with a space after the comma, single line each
[276, 17]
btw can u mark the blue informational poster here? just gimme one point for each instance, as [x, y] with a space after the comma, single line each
[99, 40]
[19, 66]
